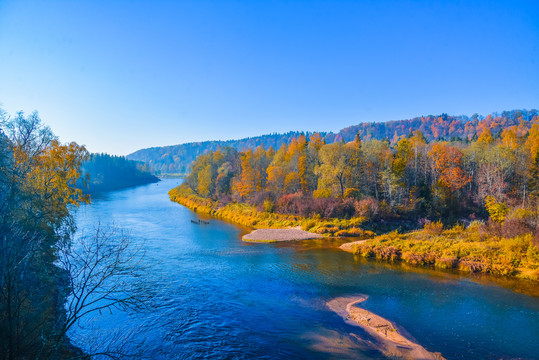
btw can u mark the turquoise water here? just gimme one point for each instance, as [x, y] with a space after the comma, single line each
[220, 298]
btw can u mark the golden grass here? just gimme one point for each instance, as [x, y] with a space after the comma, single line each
[457, 248]
[248, 216]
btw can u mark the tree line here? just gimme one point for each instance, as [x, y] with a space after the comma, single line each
[109, 172]
[177, 158]
[490, 174]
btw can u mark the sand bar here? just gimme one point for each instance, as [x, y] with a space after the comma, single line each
[390, 341]
[348, 246]
[270, 235]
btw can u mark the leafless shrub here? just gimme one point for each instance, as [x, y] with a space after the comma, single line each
[103, 270]
[514, 227]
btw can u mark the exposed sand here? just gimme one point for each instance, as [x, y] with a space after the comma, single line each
[348, 246]
[269, 235]
[390, 341]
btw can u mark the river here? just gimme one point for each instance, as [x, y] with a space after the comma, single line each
[220, 298]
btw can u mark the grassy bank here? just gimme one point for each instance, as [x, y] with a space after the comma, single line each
[457, 248]
[249, 216]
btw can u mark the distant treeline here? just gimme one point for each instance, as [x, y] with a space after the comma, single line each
[178, 158]
[109, 172]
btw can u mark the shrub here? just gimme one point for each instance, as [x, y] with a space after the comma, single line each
[434, 227]
[446, 263]
[352, 193]
[368, 207]
[496, 210]
[290, 204]
[269, 206]
[323, 193]
[354, 232]
[475, 225]
[514, 227]
[260, 198]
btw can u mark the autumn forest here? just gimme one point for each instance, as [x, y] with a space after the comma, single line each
[408, 177]
[480, 191]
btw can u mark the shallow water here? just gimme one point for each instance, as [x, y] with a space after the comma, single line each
[218, 297]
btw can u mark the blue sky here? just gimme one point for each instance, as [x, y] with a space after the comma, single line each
[118, 76]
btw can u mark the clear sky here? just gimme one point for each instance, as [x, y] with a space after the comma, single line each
[118, 76]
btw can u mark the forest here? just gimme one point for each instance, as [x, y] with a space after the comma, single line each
[486, 182]
[177, 159]
[108, 172]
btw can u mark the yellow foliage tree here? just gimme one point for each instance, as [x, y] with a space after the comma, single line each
[497, 210]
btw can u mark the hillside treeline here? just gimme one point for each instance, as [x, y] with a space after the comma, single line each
[178, 158]
[494, 174]
[109, 172]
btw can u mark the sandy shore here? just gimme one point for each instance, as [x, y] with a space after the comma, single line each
[390, 341]
[270, 235]
[348, 246]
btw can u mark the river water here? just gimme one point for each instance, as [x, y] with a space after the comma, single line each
[220, 298]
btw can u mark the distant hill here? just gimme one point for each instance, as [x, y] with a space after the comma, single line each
[178, 158]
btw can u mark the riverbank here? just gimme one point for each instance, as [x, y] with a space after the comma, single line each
[249, 216]
[389, 341]
[463, 249]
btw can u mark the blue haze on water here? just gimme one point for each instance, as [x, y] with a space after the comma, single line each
[220, 298]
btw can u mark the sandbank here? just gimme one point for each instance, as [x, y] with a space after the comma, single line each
[348, 246]
[390, 341]
[271, 235]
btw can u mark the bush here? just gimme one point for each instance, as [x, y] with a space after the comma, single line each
[368, 207]
[296, 204]
[269, 206]
[260, 198]
[322, 193]
[446, 263]
[514, 227]
[354, 232]
[351, 193]
[434, 227]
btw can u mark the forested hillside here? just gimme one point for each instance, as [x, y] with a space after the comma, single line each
[109, 172]
[178, 158]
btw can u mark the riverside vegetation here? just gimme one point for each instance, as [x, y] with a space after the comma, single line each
[484, 186]
[49, 280]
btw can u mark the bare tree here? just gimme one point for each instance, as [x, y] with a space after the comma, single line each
[102, 272]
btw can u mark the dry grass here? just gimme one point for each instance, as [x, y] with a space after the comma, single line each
[248, 216]
[457, 248]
